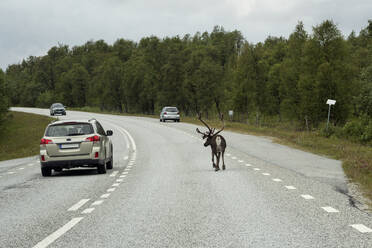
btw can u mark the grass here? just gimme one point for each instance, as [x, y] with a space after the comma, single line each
[356, 158]
[21, 134]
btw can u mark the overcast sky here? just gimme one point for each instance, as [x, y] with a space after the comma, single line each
[32, 27]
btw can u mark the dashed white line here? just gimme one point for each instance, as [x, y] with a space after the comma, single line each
[78, 205]
[129, 166]
[11, 172]
[96, 203]
[277, 180]
[256, 169]
[307, 197]
[124, 173]
[127, 169]
[330, 209]
[122, 176]
[290, 187]
[105, 195]
[52, 237]
[240, 161]
[114, 173]
[87, 211]
[248, 165]
[22, 168]
[31, 164]
[126, 158]
[115, 184]
[111, 190]
[233, 157]
[266, 174]
[361, 228]
[228, 154]
[119, 180]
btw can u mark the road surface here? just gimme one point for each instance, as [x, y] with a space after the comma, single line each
[163, 192]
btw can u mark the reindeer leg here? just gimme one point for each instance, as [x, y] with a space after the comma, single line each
[223, 160]
[218, 161]
[213, 164]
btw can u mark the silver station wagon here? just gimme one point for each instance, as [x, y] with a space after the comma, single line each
[170, 113]
[74, 143]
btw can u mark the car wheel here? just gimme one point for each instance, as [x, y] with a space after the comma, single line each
[46, 172]
[101, 168]
[109, 164]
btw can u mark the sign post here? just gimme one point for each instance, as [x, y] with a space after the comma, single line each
[330, 103]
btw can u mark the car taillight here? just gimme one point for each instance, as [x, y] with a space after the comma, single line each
[45, 141]
[96, 155]
[165, 113]
[94, 138]
[42, 158]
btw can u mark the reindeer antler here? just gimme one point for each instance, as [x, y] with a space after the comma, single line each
[200, 119]
[223, 125]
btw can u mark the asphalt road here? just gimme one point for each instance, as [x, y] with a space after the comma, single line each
[163, 192]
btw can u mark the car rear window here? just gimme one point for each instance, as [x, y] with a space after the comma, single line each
[59, 105]
[69, 129]
[171, 109]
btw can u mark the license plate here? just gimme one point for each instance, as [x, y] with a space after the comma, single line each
[64, 146]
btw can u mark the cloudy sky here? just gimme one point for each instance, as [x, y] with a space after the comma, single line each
[31, 27]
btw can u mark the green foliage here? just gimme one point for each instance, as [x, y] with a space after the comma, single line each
[3, 97]
[272, 82]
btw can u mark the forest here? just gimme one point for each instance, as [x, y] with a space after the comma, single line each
[280, 80]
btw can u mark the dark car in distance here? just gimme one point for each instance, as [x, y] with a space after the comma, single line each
[57, 109]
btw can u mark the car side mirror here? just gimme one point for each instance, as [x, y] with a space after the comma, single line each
[109, 132]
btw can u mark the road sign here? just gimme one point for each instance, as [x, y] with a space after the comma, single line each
[331, 102]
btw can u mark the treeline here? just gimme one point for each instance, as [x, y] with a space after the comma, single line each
[286, 80]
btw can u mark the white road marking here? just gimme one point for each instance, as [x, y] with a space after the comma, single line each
[114, 173]
[31, 164]
[111, 190]
[131, 139]
[119, 180]
[122, 176]
[126, 158]
[330, 209]
[248, 165]
[96, 203]
[256, 169]
[361, 228]
[129, 166]
[240, 161]
[307, 197]
[277, 180]
[233, 157]
[228, 154]
[115, 185]
[125, 173]
[78, 205]
[290, 187]
[87, 211]
[266, 174]
[22, 168]
[52, 237]
[105, 195]
[11, 172]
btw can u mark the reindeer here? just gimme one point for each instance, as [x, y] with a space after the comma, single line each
[216, 141]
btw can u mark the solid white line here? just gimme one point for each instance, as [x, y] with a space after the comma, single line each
[21, 168]
[248, 165]
[290, 187]
[330, 209]
[307, 197]
[105, 195]
[87, 210]
[115, 185]
[111, 190]
[266, 174]
[277, 180]
[78, 205]
[361, 228]
[51, 238]
[131, 139]
[99, 202]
